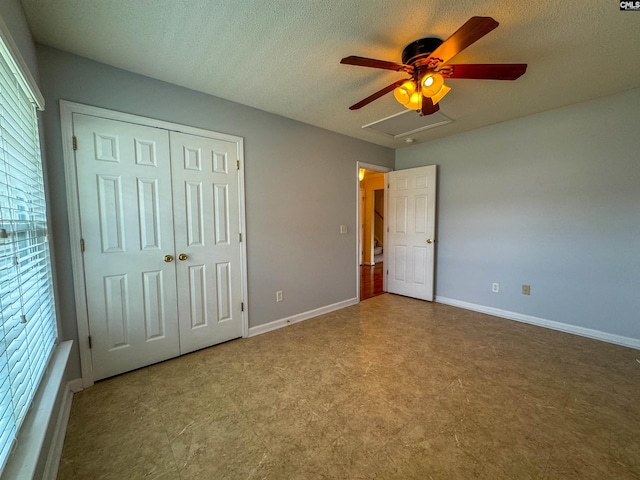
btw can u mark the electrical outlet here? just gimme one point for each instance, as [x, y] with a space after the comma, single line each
[279, 296]
[526, 289]
[495, 287]
[343, 229]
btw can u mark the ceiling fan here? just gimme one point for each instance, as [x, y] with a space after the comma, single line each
[425, 60]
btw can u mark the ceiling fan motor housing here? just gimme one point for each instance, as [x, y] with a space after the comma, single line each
[419, 50]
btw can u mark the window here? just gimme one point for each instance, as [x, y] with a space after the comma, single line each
[28, 327]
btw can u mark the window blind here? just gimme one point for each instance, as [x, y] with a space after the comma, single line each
[28, 328]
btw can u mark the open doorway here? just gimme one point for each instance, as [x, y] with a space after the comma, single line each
[371, 232]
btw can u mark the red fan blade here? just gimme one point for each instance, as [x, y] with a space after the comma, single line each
[470, 32]
[373, 63]
[428, 107]
[377, 95]
[489, 71]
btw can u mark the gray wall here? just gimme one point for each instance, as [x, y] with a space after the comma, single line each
[13, 17]
[300, 184]
[551, 200]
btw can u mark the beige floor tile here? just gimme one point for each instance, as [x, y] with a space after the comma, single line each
[391, 388]
[225, 447]
[137, 455]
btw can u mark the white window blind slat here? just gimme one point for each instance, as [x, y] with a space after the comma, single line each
[28, 329]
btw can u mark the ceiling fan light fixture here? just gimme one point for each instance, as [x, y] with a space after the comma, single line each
[404, 92]
[431, 84]
[440, 95]
[423, 59]
[415, 103]
[408, 95]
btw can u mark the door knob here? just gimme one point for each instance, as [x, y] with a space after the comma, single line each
[429, 241]
[168, 258]
[182, 256]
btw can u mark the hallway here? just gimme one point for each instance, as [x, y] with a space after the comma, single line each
[371, 280]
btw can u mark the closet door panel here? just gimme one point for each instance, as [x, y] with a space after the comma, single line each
[207, 229]
[124, 185]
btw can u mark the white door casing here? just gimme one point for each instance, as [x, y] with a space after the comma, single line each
[205, 182]
[136, 209]
[411, 235]
[361, 217]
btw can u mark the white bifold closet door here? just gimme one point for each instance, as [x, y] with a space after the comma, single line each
[205, 205]
[159, 214]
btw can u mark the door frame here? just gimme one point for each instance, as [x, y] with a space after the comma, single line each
[375, 168]
[67, 109]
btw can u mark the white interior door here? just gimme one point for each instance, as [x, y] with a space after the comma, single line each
[207, 229]
[411, 236]
[124, 189]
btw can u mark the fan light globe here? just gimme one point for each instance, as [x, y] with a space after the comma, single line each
[431, 84]
[403, 92]
[415, 103]
[440, 95]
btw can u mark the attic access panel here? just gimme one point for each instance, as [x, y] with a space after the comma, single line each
[407, 122]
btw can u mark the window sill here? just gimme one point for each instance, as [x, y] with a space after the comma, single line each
[37, 452]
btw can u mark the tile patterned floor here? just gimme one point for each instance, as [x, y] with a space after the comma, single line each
[392, 388]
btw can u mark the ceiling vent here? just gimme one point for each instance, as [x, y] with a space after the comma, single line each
[407, 123]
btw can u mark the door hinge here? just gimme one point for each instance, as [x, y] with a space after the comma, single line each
[240, 236]
[387, 272]
[82, 244]
[90, 342]
[242, 307]
[238, 164]
[75, 142]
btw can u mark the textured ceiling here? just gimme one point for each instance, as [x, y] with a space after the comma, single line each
[282, 56]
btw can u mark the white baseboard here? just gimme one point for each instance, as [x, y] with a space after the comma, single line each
[541, 322]
[57, 440]
[284, 322]
[76, 385]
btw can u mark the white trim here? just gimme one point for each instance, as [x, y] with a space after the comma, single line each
[57, 439]
[375, 168]
[284, 322]
[385, 232]
[75, 234]
[26, 79]
[26, 456]
[73, 107]
[75, 385]
[67, 109]
[243, 246]
[541, 322]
